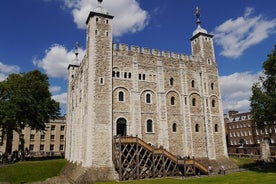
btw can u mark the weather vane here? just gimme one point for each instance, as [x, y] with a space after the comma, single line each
[77, 51]
[100, 2]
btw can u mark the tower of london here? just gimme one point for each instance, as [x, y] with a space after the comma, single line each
[166, 99]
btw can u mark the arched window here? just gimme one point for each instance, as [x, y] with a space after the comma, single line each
[216, 127]
[171, 81]
[121, 96]
[193, 102]
[212, 86]
[172, 100]
[193, 83]
[113, 73]
[118, 74]
[149, 126]
[125, 75]
[174, 127]
[197, 127]
[129, 75]
[213, 103]
[148, 98]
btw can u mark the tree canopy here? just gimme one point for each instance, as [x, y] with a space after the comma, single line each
[25, 100]
[263, 99]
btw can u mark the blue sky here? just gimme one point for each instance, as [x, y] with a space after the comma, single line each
[41, 34]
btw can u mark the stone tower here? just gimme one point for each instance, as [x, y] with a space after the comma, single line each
[90, 135]
[203, 49]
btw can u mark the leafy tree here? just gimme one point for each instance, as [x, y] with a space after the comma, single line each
[25, 101]
[263, 99]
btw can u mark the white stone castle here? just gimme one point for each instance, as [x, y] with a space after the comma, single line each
[166, 99]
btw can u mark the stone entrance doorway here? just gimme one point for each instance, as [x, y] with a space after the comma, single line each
[122, 127]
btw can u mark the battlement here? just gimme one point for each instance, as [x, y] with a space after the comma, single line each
[153, 52]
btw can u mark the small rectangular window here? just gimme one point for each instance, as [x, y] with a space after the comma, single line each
[52, 137]
[53, 127]
[101, 81]
[51, 147]
[41, 148]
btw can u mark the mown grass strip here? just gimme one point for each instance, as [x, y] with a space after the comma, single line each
[31, 171]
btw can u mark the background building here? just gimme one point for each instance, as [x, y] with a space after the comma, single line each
[244, 137]
[50, 142]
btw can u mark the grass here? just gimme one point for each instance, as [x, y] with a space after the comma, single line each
[267, 176]
[243, 162]
[31, 171]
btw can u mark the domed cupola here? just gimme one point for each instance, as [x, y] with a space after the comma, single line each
[198, 29]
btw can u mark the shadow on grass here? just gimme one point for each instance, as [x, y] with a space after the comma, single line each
[262, 167]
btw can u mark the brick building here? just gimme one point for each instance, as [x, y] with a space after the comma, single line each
[50, 142]
[243, 136]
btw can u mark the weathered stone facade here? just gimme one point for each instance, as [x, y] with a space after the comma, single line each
[165, 98]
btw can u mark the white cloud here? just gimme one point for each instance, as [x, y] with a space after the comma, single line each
[236, 90]
[61, 98]
[5, 70]
[237, 35]
[129, 16]
[55, 89]
[56, 60]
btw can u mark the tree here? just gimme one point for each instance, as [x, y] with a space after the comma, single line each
[25, 101]
[263, 99]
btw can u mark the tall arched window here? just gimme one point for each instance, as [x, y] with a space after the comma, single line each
[193, 83]
[174, 127]
[149, 126]
[171, 81]
[216, 127]
[213, 103]
[172, 100]
[148, 98]
[197, 127]
[193, 102]
[121, 96]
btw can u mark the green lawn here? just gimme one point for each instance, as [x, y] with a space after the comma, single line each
[31, 171]
[267, 176]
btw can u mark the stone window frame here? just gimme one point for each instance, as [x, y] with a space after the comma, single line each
[213, 103]
[52, 147]
[216, 127]
[121, 96]
[148, 98]
[193, 83]
[32, 137]
[52, 137]
[101, 81]
[194, 102]
[173, 101]
[42, 137]
[61, 147]
[212, 86]
[171, 81]
[174, 127]
[197, 126]
[149, 126]
[31, 147]
[41, 147]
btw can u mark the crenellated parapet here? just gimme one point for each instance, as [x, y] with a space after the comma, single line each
[147, 51]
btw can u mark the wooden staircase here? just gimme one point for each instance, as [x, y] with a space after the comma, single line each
[135, 159]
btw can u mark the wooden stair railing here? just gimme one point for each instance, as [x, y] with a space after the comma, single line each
[135, 159]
